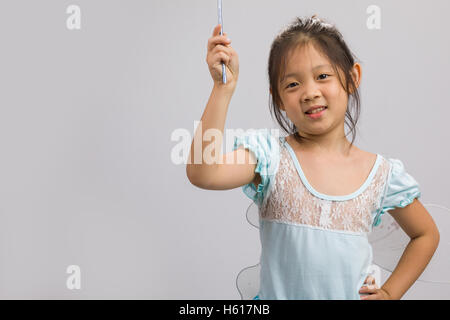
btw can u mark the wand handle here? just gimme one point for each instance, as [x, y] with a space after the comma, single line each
[219, 5]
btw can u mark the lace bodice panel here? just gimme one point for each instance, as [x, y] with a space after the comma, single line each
[289, 201]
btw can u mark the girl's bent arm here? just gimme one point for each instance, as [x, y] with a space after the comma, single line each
[233, 175]
[213, 117]
[418, 224]
[227, 174]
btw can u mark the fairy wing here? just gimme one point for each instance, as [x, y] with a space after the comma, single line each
[247, 280]
[388, 242]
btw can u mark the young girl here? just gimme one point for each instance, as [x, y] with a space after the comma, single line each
[318, 195]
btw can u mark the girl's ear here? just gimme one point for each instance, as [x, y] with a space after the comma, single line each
[356, 75]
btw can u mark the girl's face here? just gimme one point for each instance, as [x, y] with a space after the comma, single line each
[311, 81]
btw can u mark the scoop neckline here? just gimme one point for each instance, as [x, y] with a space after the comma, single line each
[326, 196]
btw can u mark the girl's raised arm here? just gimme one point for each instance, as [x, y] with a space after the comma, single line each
[226, 175]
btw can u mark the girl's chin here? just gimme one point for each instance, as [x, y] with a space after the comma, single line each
[315, 128]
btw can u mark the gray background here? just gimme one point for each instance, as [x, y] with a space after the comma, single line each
[86, 116]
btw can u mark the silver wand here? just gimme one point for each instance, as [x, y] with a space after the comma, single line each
[219, 4]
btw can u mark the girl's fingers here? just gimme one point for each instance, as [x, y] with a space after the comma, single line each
[224, 57]
[214, 41]
[371, 297]
[221, 48]
[370, 280]
[220, 53]
[370, 289]
[217, 38]
[216, 30]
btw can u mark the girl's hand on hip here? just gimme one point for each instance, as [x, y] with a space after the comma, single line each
[371, 291]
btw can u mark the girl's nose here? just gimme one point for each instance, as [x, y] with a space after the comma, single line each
[310, 94]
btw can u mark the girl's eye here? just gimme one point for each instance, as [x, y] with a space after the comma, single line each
[290, 84]
[323, 74]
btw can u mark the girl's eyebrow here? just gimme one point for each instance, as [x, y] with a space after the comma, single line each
[297, 73]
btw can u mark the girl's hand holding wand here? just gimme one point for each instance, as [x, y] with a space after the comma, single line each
[220, 50]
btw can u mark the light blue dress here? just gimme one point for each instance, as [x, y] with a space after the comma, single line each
[313, 245]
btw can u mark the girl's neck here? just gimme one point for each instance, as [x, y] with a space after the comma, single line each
[330, 146]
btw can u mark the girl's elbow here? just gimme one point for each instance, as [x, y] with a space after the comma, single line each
[437, 236]
[434, 236]
[433, 233]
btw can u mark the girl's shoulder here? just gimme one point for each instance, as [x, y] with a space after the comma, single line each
[375, 163]
[365, 158]
[401, 187]
[263, 142]
[265, 146]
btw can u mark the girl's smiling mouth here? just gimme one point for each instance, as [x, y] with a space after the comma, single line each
[315, 113]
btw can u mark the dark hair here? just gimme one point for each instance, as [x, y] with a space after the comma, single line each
[328, 40]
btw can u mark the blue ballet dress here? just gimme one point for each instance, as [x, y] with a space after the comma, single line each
[313, 245]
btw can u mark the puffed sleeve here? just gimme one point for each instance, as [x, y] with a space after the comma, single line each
[401, 189]
[265, 147]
